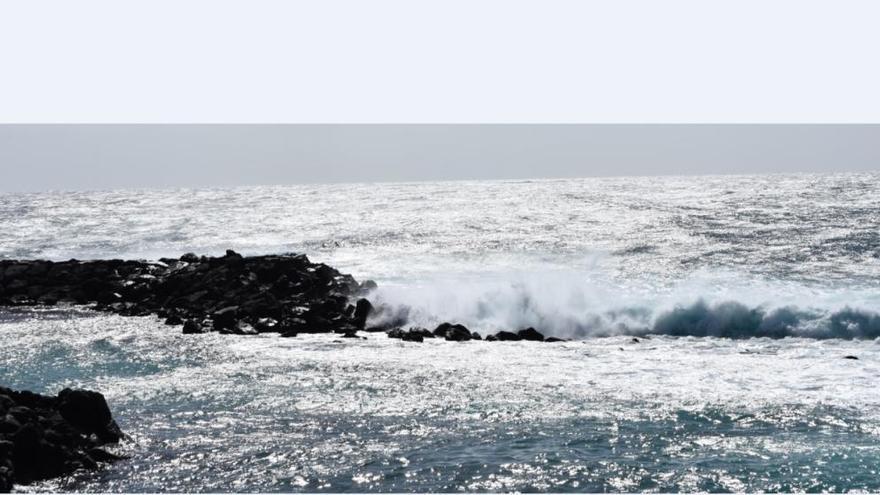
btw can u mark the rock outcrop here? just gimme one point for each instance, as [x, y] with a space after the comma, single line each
[232, 294]
[44, 437]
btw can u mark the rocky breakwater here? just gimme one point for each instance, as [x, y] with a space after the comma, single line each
[460, 333]
[43, 437]
[286, 294]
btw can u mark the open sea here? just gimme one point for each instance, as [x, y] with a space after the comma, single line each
[709, 318]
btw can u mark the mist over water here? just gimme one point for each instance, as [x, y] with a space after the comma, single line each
[745, 293]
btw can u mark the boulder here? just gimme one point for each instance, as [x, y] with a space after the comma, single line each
[89, 412]
[192, 326]
[226, 318]
[531, 334]
[362, 310]
[174, 320]
[504, 336]
[54, 436]
[453, 332]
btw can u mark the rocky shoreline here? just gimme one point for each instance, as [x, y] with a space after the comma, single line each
[44, 437]
[232, 294]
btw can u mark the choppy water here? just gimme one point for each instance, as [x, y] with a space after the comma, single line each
[675, 258]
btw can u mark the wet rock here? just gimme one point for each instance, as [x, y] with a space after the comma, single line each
[635, 340]
[192, 326]
[173, 320]
[452, 332]
[555, 339]
[225, 319]
[224, 290]
[850, 357]
[190, 258]
[267, 325]
[531, 334]
[54, 436]
[411, 335]
[476, 336]
[361, 311]
[504, 336]
[244, 328]
[7, 473]
[424, 332]
[89, 412]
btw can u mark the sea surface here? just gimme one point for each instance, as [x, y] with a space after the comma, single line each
[710, 321]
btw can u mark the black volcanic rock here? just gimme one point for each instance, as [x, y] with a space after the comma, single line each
[89, 412]
[44, 437]
[456, 333]
[531, 334]
[414, 334]
[361, 311]
[503, 336]
[192, 326]
[230, 294]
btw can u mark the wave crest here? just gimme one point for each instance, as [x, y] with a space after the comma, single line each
[560, 308]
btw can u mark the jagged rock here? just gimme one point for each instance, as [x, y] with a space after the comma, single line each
[299, 296]
[531, 334]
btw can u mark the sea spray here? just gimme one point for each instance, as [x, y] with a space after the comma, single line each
[590, 304]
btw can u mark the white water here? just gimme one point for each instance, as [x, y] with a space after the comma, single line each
[596, 259]
[570, 257]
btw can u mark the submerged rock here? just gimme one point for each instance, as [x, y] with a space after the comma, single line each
[44, 437]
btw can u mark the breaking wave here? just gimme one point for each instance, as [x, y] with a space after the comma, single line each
[566, 306]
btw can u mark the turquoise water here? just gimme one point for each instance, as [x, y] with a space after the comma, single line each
[315, 413]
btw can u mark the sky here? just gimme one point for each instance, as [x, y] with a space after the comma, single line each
[97, 157]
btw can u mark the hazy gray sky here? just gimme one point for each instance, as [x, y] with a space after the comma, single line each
[76, 157]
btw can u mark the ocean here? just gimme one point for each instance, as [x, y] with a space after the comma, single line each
[710, 319]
